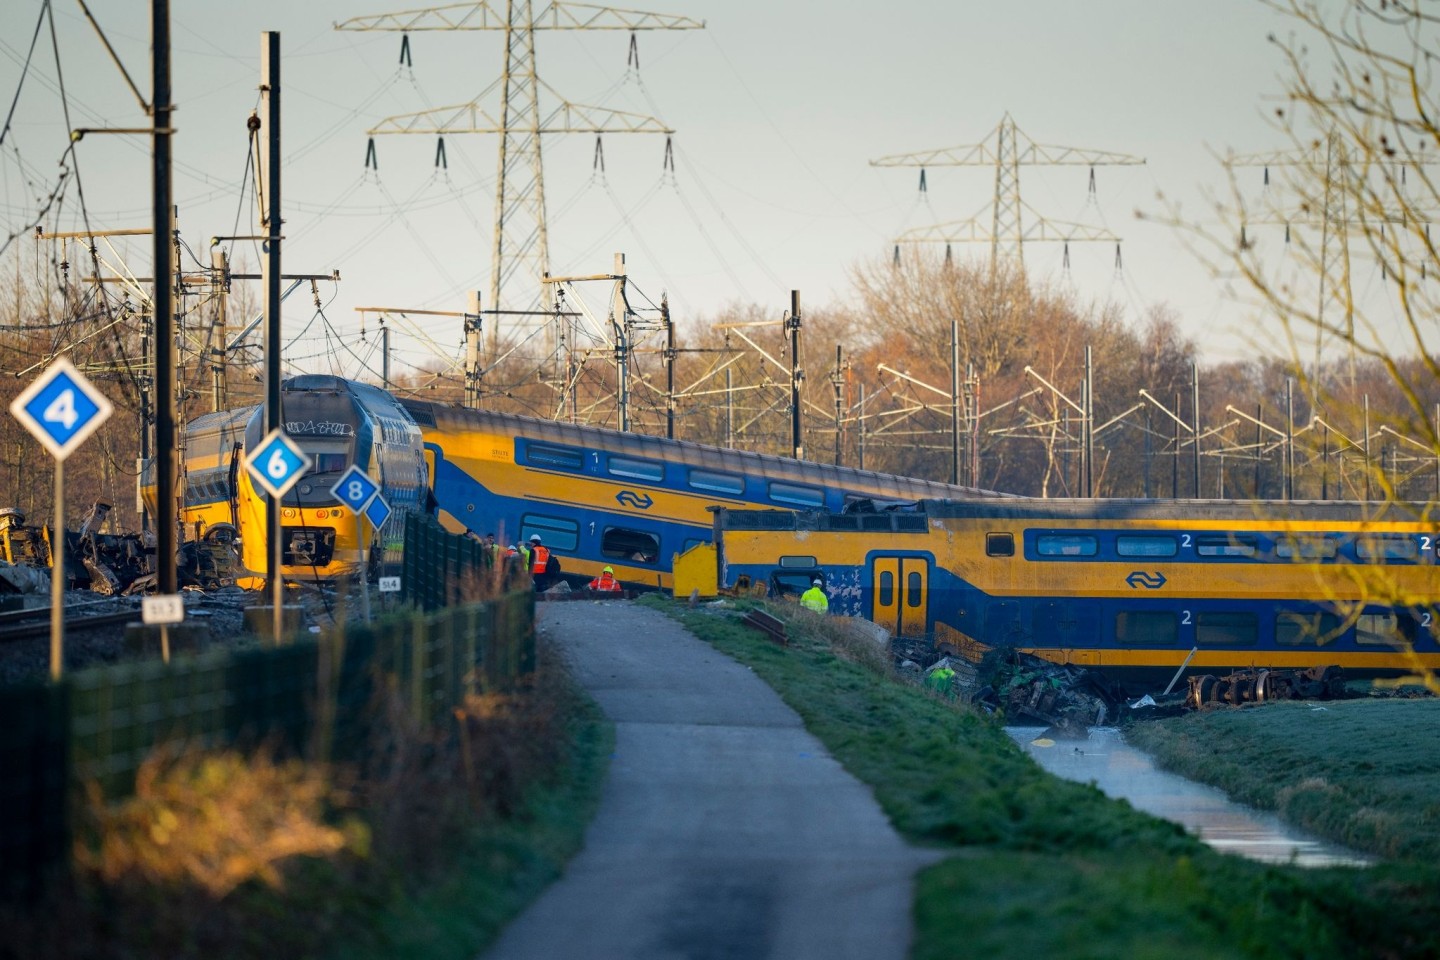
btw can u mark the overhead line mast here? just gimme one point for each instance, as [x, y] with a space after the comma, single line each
[520, 237]
[1007, 149]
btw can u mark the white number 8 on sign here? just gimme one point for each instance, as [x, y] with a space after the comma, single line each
[356, 491]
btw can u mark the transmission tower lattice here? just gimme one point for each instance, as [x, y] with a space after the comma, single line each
[1007, 149]
[521, 251]
[1328, 163]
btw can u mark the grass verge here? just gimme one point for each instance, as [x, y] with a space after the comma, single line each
[1365, 773]
[1046, 867]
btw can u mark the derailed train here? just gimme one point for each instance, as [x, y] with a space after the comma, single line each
[596, 497]
[1139, 587]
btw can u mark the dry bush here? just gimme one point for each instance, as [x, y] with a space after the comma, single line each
[508, 739]
[849, 640]
[407, 785]
[215, 821]
[488, 583]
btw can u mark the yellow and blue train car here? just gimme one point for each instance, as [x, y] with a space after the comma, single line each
[596, 497]
[212, 446]
[1141, 586]
[599, 497]
[337, 423]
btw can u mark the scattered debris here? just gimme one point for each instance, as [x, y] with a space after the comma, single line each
[23, 579]
[771, 626]
[1260, 686]
[21, 545]
[950, 677]
[115, 564]
[1069, 699]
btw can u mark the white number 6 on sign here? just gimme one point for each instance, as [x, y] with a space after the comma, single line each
[276, 465]
[62, 410]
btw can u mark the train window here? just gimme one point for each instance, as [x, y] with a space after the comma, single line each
[564, 457]
[798, 495]
[791, 584]
[1145, 546]
[1147, 628]
[999, 545]
[913, 593]
[639, 469]
[1377, 628]
[1310, 629]
[328, 463]
[1225, 546]
[632, 546]
[887, 588]
[555, 533]
[1066, 545]
[797, 561]
[1224, 628]
[717, 482]
[1306, 548]
[1383, 547]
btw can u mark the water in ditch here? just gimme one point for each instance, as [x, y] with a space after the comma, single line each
[1123, 772]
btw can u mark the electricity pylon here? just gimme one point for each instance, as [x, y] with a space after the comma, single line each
[520, 239]
[1329, 165]
[1007, 149]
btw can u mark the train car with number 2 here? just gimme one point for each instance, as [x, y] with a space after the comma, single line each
[1136, 586]
[599, 497]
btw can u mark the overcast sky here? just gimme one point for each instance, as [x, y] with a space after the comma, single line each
[778, 107]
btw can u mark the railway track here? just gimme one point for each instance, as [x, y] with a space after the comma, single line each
[36, 623]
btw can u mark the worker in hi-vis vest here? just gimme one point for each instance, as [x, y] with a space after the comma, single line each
[815, 599]
[606, 582]
[544, 566]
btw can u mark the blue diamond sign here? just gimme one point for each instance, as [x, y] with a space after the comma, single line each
[354, 489]
[378, 511]
[277, 463]
[61, 408]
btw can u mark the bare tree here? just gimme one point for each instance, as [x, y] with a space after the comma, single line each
[1355, 192]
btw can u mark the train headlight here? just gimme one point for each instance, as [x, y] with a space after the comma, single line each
[288, 513]
[321, 514]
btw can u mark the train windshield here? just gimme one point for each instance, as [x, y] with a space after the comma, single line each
[331, 458]
[330, 462]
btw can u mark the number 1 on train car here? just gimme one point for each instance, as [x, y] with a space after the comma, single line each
[355, 490]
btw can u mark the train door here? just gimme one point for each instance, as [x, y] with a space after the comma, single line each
[900, 595]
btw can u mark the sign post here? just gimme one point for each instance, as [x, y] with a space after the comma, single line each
[60, 409]
[355, 489]
[276, 465]
[163, 610]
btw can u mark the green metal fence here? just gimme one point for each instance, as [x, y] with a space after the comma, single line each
[439, 567]
[312, 697]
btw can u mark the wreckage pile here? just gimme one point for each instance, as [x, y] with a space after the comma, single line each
[1069, 700]
[109, 564]
[1262, 686]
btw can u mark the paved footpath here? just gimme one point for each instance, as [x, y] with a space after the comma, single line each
[725, 830]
